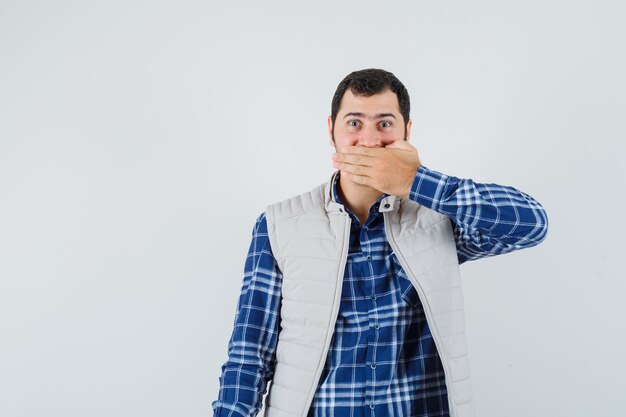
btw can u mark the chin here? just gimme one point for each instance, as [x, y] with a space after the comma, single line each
[364, 187]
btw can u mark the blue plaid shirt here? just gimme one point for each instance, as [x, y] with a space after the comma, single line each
[382, 358]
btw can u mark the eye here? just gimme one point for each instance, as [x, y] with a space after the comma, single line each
[350, 123]
[388, 123]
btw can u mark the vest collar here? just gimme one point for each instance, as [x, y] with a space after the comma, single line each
[388, 203]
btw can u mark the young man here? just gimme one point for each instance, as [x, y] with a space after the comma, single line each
[351, 301]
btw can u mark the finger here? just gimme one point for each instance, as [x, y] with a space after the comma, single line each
[351, 168]
[355, 159]
[402, 145]
[360, 150]
[399, 144]
[359, 179]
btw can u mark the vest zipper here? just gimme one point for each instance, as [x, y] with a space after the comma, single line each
[433, 330]
[335, 311]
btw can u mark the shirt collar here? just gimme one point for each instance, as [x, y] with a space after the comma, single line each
[375, 206]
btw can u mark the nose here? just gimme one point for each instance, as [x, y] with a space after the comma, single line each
[370, 138]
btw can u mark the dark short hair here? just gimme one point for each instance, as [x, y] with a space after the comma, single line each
[367, 82]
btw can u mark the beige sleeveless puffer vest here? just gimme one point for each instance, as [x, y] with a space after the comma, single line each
[309, 237]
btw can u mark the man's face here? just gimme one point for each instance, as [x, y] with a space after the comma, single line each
[373, 121]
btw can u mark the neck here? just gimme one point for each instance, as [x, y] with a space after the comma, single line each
[357, 197]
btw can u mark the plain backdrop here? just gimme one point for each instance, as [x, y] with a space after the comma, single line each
[139, 141]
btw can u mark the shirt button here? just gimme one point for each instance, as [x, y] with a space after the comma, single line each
[386, 205]
[372, 406]
[369, 257]
[366, 228]
[373, 297]
[377, 326]
[373, 365]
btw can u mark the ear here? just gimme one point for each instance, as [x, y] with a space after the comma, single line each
[330, 131]
[408, 129]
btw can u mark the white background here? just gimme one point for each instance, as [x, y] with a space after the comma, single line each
[139, 141]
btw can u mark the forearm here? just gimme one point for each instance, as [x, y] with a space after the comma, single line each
[490, 218]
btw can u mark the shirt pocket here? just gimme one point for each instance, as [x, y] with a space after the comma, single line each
[408, 292]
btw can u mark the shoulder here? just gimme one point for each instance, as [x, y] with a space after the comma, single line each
[295, 205]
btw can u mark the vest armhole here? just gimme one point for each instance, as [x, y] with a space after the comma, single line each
[271, 234]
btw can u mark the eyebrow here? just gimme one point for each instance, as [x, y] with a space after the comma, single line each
[376, 116]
